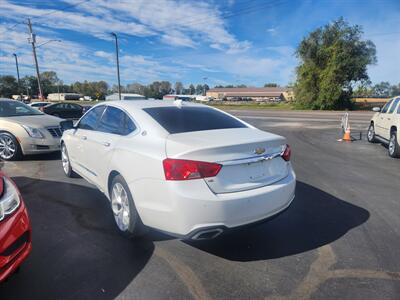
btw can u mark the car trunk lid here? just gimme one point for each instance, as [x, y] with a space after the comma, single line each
[250, 158]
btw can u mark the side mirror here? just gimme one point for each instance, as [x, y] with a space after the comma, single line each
[67, 124]
[376, 109]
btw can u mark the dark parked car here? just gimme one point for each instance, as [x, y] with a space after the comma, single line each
[64, 110]
[86, 108]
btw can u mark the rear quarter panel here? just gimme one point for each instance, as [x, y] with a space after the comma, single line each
[136, 158]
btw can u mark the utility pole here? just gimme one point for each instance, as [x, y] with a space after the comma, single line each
[204, 86]
[32, 40]
[19, 83]
[116, 50]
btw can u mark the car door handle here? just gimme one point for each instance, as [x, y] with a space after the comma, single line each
[106, 144]
[83, 138]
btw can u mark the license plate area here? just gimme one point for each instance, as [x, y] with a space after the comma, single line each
[257, 170]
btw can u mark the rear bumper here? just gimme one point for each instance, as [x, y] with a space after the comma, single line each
[37, 146]
[214, 231]
[186, 208]
[15, 241]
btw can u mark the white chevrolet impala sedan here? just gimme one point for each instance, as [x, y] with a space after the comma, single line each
[186, 169]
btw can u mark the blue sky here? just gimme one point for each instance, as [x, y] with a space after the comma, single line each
[217, 42]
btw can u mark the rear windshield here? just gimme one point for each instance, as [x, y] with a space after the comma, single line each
[187, 119]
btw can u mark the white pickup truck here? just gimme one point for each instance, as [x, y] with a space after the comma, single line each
[385, 126]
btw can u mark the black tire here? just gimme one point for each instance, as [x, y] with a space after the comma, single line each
[134, 227]
[12, 143]
[68, 171]
[394, 147]
[371, 134]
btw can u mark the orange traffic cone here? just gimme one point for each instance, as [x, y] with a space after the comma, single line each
[347, 135]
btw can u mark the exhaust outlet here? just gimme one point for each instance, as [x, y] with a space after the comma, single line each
[207, 234]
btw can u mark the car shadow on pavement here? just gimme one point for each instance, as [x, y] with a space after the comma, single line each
[77, 250]
[44, 156]
[315, 218]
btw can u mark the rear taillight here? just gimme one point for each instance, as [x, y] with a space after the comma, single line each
[286, 153]
[181, 169]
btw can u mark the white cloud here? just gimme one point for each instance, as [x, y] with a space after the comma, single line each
[103, 54]
[177, 23]
[76, 62]
[177, 38]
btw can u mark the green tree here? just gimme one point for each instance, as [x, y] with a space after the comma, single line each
[199, 89]
[395, 90]
[8, 86]
[382, 89]
[178, 87]
[49, 82]
[206, 88]
[29, 85]
[333, 59]
[192, 89]
[94, 89]
[135, 88]
[364, 89]
[271, 84]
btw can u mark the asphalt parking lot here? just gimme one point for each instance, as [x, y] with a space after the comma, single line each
[340, 239]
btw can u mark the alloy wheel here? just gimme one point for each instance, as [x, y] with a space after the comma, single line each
[65, 159]
[7, 147]
[392, 144]
[120, 206]
[371, 133]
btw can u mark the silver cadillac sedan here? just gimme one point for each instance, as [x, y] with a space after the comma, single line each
[25, 130]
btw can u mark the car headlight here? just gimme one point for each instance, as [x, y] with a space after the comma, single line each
[10, 200]
[33, 132]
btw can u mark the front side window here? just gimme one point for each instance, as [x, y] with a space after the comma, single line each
[116, 121]
[16, 109]
[394, 105]
[91, 119]
[398, 109]
[386, 107]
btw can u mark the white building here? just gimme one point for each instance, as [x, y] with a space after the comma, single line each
[124, 96]
[64, 96]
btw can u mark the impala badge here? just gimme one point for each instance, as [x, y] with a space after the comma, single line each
[259, 151]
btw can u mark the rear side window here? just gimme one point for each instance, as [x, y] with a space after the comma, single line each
[394, 105]
[385, 108]
[116, 121]
[90, 120]
[187, 119]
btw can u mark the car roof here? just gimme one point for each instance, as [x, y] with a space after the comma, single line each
[144, 120]
[142, 104]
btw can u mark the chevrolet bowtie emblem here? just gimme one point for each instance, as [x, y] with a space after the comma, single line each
[259, 151]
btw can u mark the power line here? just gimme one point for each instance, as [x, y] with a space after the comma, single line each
[64, 8]
[242, 11]
[53, 11]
